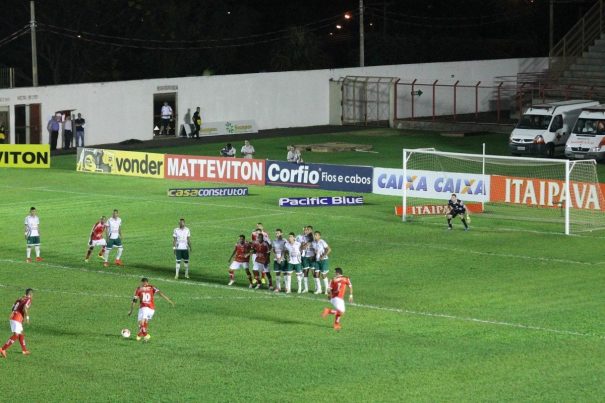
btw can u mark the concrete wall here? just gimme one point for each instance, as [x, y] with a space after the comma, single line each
[116, 111]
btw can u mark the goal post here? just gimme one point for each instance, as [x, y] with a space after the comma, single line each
[557, 195]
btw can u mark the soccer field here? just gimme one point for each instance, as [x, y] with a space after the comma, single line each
[505, 312]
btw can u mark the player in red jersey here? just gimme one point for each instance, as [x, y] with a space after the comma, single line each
[338, 289]
[20, 312]
[253, 237]
[144, 294]
[97, 238]
[241, 261]
[261, 260]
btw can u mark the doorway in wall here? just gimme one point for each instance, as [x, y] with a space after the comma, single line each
[28, 124]
[158, 102]
[5, 122]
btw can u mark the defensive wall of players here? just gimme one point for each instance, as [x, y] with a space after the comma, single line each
[350, 178]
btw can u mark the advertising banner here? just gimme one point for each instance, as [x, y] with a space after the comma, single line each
[215, 169]
[322, 201]
[320, 176]
[431, 184]
[24, 156]
[230, 127]
[208, 192]
[117, 162]
[436, 209]
[545, 192]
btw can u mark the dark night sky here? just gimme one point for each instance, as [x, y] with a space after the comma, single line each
[101, 40]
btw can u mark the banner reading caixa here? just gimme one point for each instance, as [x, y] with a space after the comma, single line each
[117, 162]
[432, 184]
[215, 169]
[24, 156]
[320, 176]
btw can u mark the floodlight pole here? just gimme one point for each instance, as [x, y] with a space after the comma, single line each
[361, 36]
[32, 25]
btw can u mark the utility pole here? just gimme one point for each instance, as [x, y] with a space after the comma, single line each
[361, 36]
[551, 25]
[32, 24]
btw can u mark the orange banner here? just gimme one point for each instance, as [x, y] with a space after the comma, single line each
[545, 192]
[436, 209]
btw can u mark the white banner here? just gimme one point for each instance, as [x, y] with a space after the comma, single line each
[431, 184]
[230, 127]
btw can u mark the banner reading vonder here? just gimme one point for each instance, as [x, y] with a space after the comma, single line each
[117, 162]
[24, 156]
[215, 169]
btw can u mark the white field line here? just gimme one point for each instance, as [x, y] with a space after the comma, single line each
[129, 297]
[315, 299]
[125, 197]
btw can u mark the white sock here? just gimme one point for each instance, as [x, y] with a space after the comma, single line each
[299, 277]
[288, 281]
[326, 283]
[106, 255]
[178, 268]
[37, 250]
[119, 255]
[278, 281]
[306, 282]
[29, 252]
[317, 284]
[186, 268]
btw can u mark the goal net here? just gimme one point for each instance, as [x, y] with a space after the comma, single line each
[550, 195]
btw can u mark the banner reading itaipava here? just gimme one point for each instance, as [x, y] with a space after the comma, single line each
[546, 192]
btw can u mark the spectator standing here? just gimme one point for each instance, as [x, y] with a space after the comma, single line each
[197, 123]
[166, 114]
[53, 130]
[68, 134]
[2, 134]
[294, 155]
[79, 122]
[248, 150]
[228, 151]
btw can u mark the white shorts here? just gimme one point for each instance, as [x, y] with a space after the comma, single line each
[338, 304]
[238, 265]
[146, 313]
[97, 242]
[16, 327]
[263, 268]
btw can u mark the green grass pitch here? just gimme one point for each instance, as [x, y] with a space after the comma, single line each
[504, 312]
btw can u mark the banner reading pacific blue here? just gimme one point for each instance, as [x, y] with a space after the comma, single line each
[320, 176]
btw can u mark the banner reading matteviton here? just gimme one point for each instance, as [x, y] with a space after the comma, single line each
[24, 156]
[215, 169]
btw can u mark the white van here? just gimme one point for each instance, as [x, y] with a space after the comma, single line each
[587, 138]
[544, 129]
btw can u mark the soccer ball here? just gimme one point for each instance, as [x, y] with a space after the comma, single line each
[125, 333]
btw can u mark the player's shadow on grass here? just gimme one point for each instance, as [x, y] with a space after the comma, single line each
[269, 318]
[163, 271]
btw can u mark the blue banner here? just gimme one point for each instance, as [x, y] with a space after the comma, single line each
[320, 176]
[322, 201]
[208, 192]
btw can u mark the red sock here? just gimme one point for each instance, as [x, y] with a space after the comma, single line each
[22, 342]
[144, 328]
[10, 342]
[102, 251]
[337, 319]
[231, 275]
